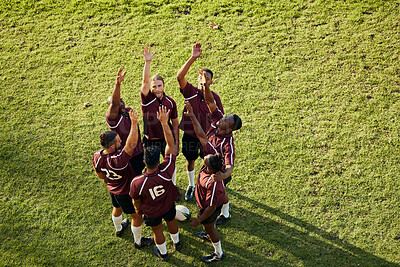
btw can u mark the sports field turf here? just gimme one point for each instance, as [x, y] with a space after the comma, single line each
[316, 83]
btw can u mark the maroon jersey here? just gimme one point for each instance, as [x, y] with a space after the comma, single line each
[200, 109]
[150, 106]
[208, 192]
[224, 144]
[117, 169]
[156, 190]
[122, 125]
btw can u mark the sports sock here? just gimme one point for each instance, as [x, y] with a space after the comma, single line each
[117, 222]
[174, 177]
[137, 234]
[191, 175]
[175, 237]
[162, 248]
[225, 210]
[218, 249]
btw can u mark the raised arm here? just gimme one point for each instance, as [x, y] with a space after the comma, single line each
[175, 129]
[201, 135]
[132, 139]
[208, 96]
[148, 56]
[113, 106]
[163, 117]
[196, 52]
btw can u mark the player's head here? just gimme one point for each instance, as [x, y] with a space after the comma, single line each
[152, 156]
[121, 104]
[213, 163]
[157, 86]
[229, 124]
[108, 139]
[209, 76]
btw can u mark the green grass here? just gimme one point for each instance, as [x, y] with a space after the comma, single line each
[316, 83]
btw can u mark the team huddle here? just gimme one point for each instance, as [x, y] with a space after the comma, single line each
[146, 189]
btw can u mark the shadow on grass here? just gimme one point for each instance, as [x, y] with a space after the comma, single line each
[289, 239]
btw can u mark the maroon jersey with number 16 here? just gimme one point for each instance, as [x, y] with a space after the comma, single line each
[156, 190]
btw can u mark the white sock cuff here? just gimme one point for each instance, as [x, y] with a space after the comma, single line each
[225, 210]
[218, 248]
[175, 237]
[137, 234]
[174, 177]
[117, 222]
[162, 248]
[191, 175]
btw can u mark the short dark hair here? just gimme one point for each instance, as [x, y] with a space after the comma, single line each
[107, 138]
[158, 77]
[209, 71]
[215, 162]
[237, 123]
[152, 156]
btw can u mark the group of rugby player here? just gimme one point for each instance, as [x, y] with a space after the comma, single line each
[151, 195]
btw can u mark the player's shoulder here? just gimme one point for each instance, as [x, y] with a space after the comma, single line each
[215, 94]
[169, 161]
[138, 178]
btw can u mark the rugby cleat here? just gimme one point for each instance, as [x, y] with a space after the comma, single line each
[145, 242]
[212, 257]
[203, 235]
[221, 219]
[124, 225]
[178, 246]
[158, 254]
[189, 193]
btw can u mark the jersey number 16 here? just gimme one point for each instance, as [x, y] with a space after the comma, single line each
[156, 191]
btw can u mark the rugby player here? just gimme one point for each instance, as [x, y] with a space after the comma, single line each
[154, 192]
[152, 97]
[112, 165]
[191, 147]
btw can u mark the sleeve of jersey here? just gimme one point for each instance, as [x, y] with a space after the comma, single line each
[120, 160]
[174, 111]
[219, 103]
[113, 123]
[146, 99]
[94, 161]
[133, 192]
[189, 91]
[209, 149]
[215, 193]
[168, 165]
[216, 115]
[229, 152]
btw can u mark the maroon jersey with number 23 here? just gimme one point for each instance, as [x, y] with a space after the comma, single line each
[117, 169]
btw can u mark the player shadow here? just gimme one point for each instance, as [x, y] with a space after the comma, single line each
[286, 237]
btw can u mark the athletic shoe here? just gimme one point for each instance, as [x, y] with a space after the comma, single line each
[178, 246]
[124, 225]
[212, 257]
[158, 254]
[189, 193]
[203, 235]
[145, 242]
[221, 219]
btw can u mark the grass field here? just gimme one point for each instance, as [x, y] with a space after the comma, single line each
[316, 83]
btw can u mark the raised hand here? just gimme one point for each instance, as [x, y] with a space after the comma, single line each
[163, 114]
[133, 116]
[189, 110]
[120, 76]
[147, 55]
[196, 50]
[217, 177]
